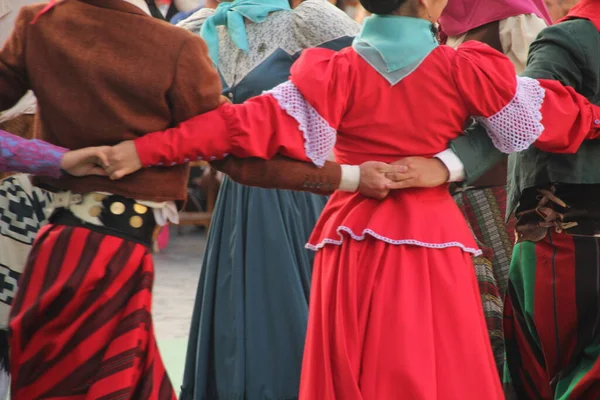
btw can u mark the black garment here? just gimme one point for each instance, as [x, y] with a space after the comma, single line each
[154, 11]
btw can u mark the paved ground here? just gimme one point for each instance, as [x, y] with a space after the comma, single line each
[177, 272]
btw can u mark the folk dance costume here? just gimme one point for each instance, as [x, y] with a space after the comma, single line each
[81, 324]
[508, 26]
[249, 323]
[395, 310]
[551, 311]
[20, 201]
[23, 206]
[23, 210]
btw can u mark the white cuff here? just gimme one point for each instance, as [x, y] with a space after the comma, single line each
[454, 165]
[350, 178]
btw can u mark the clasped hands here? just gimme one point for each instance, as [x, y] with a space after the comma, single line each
[376, 178]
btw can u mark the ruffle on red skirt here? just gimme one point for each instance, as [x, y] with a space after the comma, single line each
[420, 217]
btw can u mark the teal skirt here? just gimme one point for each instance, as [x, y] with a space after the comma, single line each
[249, 322]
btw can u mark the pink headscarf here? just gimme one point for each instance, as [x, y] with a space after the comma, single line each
[460, 16]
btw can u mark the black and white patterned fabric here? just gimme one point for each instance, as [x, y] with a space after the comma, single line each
[24, 209]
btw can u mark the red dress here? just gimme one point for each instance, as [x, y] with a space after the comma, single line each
[395, 311]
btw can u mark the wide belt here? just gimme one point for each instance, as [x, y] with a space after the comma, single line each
[578, 216]
[108, 214]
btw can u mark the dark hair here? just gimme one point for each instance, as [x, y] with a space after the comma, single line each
[381, 7]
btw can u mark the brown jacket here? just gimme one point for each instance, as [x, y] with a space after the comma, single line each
[103, 71]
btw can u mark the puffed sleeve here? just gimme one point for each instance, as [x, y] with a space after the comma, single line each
[518, 112]
[284, 120]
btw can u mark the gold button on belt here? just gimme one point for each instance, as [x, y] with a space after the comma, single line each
[140, 209]
[136, 221]
[117, 208]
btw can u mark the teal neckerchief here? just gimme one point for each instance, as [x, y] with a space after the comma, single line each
[395, 46]
[231, 15]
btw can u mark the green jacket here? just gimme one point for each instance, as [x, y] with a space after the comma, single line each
[570, 53]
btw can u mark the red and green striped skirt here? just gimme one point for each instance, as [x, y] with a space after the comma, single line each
[552, 319]
[81, 325]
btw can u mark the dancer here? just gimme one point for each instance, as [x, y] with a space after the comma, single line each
[386, 297]
[552, 307]
[81, 322]
[22, 211]
[249, 323]
[508, 26]
[86, 291]
[23, 206]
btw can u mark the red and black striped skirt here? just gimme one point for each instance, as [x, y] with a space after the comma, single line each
[81, 325]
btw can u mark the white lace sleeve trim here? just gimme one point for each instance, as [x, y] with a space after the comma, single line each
[340, 229]
[519, 124]
[319, 136]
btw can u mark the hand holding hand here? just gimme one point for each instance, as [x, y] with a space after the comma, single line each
[88, 161]
[123, 160]
[373, 178]
[418, 172]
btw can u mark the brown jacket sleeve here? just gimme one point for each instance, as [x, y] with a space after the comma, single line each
[196, 86]
[13, 72]
[282, 173]
[197, 89]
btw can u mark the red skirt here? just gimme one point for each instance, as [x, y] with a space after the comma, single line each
[81, 324]
[396, 322]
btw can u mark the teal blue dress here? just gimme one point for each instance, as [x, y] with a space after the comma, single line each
[247, 334]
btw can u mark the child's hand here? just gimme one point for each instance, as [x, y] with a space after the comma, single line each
[88, 161]
[123, 160]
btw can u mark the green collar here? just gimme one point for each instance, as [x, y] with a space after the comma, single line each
[393, 45]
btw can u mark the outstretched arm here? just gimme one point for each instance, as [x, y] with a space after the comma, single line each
[281, 173]
[256, 128]
[518, 112]
[279, 122]
[40, 158]
[284, 173]
[557, 54]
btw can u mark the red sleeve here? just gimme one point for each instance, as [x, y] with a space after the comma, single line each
[519, 111]
[297, 119]
[257, 128]
[568, 119]
[325, 79]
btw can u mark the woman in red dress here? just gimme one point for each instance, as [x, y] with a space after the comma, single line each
[395, 311]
